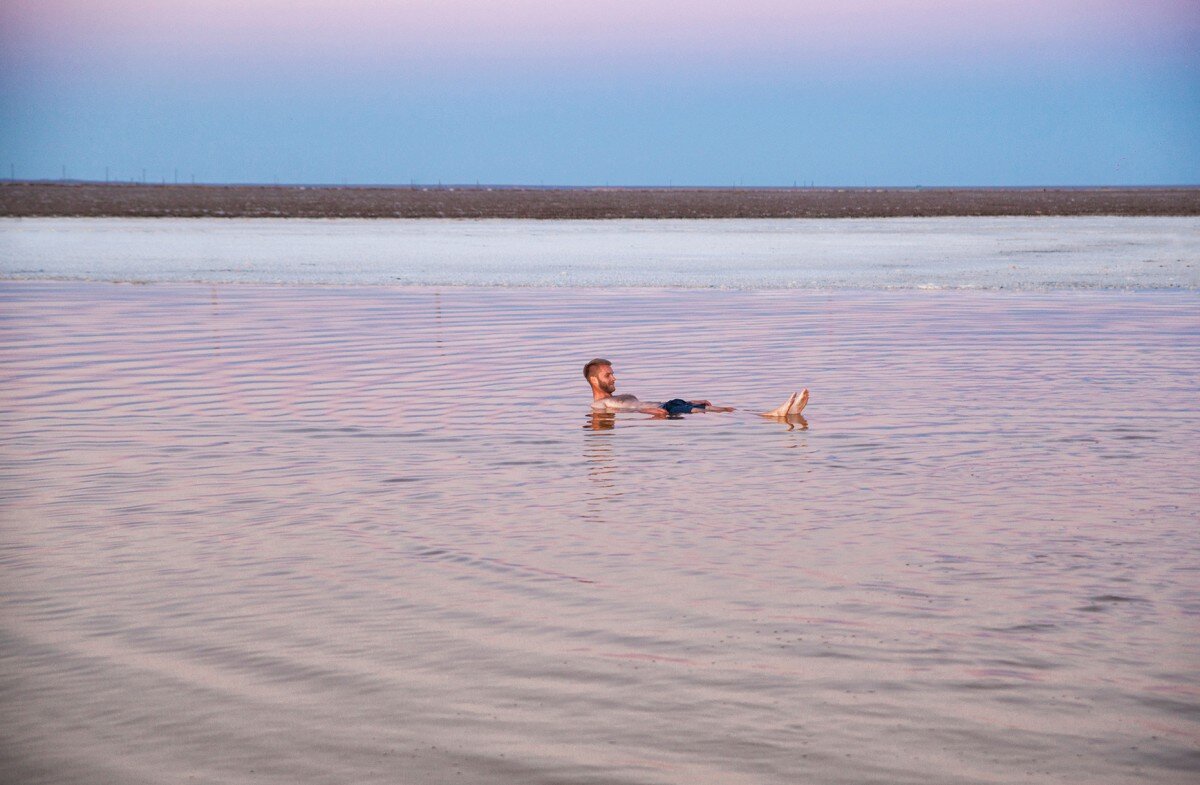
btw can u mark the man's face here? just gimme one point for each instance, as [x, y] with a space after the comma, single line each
[606, 379]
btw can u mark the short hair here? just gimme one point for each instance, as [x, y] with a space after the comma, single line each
[594, 366]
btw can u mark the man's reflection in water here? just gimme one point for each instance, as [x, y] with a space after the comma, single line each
[606, 421]
[793, 421]
[601, 421]
[601, 465]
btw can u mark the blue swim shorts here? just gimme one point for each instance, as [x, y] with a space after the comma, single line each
[677, 406]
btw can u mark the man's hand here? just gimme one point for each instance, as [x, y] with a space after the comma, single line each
[700, 403]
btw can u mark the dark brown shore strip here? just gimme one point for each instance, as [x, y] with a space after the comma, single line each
[187, 201]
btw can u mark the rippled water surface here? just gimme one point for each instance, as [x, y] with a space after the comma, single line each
[287, 534]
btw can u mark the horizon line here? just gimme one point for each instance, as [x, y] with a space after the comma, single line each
[589, 187]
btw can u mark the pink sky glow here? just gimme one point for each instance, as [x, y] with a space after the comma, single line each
[645, 30]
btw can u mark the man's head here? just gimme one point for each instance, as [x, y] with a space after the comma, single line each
[599, 374]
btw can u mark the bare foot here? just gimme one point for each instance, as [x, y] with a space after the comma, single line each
[799, 404]
[782, 411]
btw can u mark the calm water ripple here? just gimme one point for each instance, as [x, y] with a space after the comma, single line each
[288, 534]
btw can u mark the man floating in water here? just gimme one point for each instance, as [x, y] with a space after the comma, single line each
[599, 374]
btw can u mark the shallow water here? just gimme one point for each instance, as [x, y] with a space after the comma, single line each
[287, 534]
[1029, 252]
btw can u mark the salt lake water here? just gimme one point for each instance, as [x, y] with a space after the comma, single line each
[328, 533]
[872, 253]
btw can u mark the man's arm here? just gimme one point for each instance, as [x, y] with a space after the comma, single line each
[708, 406]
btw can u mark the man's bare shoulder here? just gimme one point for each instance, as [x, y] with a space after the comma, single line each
[618, 403]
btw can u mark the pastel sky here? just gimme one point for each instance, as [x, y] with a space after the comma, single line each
[753, 92]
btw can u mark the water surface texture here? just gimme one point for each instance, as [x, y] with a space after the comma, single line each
[877, 253]
[329, 535]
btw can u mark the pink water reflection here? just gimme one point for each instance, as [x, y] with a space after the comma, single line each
[386, 518]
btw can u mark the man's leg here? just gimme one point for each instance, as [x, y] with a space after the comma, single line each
[781, 411]
[794, 405]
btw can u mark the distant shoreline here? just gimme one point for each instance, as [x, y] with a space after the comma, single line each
[31, 199]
